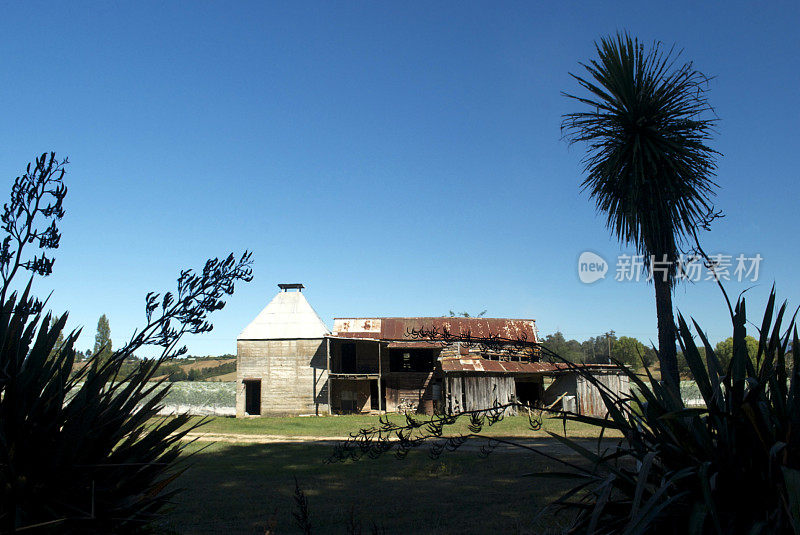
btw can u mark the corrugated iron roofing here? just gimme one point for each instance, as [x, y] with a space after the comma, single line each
[416, 344]
[452, 364]
[497, 366]
[400, 328]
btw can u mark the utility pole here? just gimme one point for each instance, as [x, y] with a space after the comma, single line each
[609, 334]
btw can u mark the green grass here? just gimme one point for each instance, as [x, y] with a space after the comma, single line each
[243, 488]
[338, 426]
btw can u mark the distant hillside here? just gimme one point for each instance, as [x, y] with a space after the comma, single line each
[186, 368]
[199, 369]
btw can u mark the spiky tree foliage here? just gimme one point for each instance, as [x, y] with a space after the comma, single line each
[78, 453]
[732, 467]
[648, 167]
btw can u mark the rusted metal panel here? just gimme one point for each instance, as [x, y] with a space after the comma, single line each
[492, 366]
[512, 366]
[512, 329]
[348, 337]
[453, 365]
[422, 344]
[399, 328]
[368, 327]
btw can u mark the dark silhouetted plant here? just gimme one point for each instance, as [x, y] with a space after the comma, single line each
[731, 467]
[78, 451]
[648, 166]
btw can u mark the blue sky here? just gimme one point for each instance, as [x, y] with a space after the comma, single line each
[397, 158]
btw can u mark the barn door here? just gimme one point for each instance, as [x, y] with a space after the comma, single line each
[252, 397]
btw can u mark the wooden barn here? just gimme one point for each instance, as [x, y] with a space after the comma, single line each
[407, 364]
[290, 364]
[281, 360]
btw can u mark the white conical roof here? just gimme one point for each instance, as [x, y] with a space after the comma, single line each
[287, 316]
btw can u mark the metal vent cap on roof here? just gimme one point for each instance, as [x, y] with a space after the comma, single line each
[291, 286]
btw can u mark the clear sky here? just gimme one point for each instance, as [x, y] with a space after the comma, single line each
[400, 159]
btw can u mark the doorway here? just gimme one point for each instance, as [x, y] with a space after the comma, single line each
[373, 396]
[252, 397]
[529, 392]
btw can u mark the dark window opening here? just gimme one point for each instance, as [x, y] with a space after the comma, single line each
[252, 397]
[349, 358]
[411, 360]
[373, 396]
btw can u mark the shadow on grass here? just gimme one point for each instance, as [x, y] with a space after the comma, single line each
[243, 488]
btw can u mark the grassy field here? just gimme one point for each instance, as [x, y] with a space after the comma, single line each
[338, 426]
[243, 488]
[225, 378]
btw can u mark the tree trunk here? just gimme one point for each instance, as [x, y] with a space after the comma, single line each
[667, 354]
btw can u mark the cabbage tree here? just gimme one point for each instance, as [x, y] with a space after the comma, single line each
[646, 122]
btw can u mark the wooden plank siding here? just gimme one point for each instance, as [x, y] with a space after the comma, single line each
[575, 393]
[407, 391]
[476, 392]
[589, 400]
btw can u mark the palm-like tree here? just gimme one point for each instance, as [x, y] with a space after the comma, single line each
[648, 167]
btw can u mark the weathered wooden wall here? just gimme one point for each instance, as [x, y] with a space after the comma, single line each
[292, 372]
[344, 391]
[563, 390]
[475, 392]
[581, 396]
[589, 400]
[408, 391]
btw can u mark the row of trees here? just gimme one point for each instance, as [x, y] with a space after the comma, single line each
[600, 349]
[630, 351]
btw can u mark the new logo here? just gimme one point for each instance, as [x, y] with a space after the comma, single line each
[591, 267]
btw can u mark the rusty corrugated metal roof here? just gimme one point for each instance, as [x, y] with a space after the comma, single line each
[451, 365]
[416, 344]
[400, 328]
